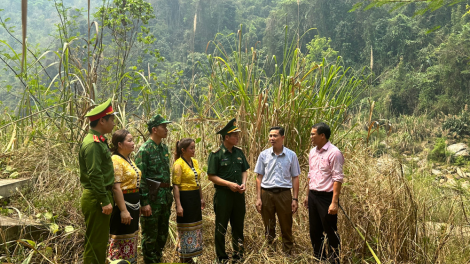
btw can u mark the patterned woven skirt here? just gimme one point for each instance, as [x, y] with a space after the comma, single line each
[123, 238]
[190, 225]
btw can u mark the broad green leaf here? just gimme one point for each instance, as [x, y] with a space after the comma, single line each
[31, 242]
[69, 229]
[9, 169]
[14, 175]
[54, 228]
[48, 215]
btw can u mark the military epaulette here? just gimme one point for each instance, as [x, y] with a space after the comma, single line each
[216, 150]
[96, 138]
[238, 147]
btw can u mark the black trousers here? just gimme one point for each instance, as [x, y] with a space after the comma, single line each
[229, 207]
[322, 222]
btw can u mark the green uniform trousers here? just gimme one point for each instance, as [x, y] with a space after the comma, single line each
[97, 228]
[229, 206]
[155, 232]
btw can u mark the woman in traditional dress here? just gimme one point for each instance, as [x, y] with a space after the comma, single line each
[189, 200]
[124, 226]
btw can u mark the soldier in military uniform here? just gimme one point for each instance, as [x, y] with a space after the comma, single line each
[154, 161]
[227, 169]
[97, 178]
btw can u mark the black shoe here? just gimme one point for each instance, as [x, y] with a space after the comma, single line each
[237, 259]
[222, 261]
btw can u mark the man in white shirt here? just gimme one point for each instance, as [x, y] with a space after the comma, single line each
[278, 170]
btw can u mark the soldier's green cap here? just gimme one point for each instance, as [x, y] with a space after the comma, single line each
[229, 128]
[100, 111]
[156, 121]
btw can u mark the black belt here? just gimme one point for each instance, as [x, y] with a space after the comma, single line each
[321, 193]
[275, 190]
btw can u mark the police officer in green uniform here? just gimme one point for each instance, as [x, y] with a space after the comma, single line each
[227, 169]
[97, 178]
[153, 159]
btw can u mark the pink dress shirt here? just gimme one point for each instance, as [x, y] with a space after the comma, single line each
[325, 168]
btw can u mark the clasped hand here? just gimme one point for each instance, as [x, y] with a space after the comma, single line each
[237, 188]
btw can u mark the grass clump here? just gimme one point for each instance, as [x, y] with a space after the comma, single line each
[439, 153]
[457, 125]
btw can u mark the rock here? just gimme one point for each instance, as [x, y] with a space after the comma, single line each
[460, 173]
[8, 186]
[449, 177]
[442, 180]
[459, 149]
[20, 229]
[436, 172]
[467, 174]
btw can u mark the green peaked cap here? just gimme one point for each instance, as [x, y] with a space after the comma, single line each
[229, 128]
[156, 121]
[100, 111]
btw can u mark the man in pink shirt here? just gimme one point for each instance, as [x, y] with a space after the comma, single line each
[325, 178]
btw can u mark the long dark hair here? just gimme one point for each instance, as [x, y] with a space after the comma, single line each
[182, 144]
[118, 137]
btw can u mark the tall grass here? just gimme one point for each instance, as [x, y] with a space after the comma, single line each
[391, 211]
[262, 93]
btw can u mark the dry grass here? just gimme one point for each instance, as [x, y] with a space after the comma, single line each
[390, 206]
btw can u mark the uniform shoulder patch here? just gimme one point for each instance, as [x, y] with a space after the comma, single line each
[216, 150]
[96, 138]
[238, 147]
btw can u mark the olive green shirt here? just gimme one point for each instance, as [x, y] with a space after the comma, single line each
[96, 166]
[154, 161]
[227, 165]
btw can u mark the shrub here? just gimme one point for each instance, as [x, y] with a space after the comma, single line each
[439, 151]
[457, 124]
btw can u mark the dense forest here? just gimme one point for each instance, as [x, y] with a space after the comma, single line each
[419, 62]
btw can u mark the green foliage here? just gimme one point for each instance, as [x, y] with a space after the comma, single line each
[439, 153]
[426, 5]
[319, 49]
[460, 161]
[286, 92]
[126, 20]
[457, 125]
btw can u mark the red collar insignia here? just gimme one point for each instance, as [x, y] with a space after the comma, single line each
[102, 138]
[96, 139]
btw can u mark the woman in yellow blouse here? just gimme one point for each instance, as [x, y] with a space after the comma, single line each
[124, 226]
[189, 200]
